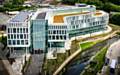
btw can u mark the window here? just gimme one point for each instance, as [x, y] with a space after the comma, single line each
[49, 37]
[61, 37]
[26, 41]
[8, 30]
[53, 37]
[65, 32]
[20, 30]
[54, 32]
[14, 42]
[62, 31]
[14, 30]
[14, 36]
[23, 30]
[77, 26]
[22, 42]
[18, 42]
[8, 36]
[81, 21]
[17, 30]
[88, 20]
[93, 23]
[57, 37]
[11, 36]
[9, 42]
[64, 37]
[17, 36]
[21, 36]
[24, 36]
[26, 30]
[57, 32]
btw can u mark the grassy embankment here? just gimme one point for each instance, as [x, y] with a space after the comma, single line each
[97, 62]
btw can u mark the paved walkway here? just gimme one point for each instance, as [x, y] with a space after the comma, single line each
[36, 65]
[113, 51]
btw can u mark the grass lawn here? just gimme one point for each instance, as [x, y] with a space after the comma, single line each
[88, 44]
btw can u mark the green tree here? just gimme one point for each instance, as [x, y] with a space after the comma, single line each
[115, 19]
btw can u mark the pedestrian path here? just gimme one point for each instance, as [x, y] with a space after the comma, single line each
[35, 66]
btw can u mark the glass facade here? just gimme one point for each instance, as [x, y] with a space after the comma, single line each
[39, 34]
[85, 24]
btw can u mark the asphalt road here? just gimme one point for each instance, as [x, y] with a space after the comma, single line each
[36, 65]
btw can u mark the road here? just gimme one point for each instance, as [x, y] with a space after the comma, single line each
[5, 67]
[36, 65]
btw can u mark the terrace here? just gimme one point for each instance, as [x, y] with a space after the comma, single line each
[60, 18]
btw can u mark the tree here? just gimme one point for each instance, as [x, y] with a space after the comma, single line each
[115, 19]
[115, 1]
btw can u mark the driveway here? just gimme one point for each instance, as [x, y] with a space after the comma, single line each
[36, 65]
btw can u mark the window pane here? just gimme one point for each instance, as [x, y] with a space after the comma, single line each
[14, 43]
[9, 42]
[11, 36]
[57, 37]
[64, 37]
[54, 32]
[20, 30]
[17, 36]
[53, 37]
[14, 36]
[8, 36]
[14, 30]
[8, 30]
[22, 42]
[23, 30]
[21, 36]
[18, 42]
[26, 41]
[17, 30]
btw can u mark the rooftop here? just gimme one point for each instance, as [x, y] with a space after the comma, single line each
[60, 18]
[41, 15]
[21, 17]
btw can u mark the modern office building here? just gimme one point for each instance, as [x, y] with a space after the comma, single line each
[66, 22]
[18, 33]
[50, 28]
